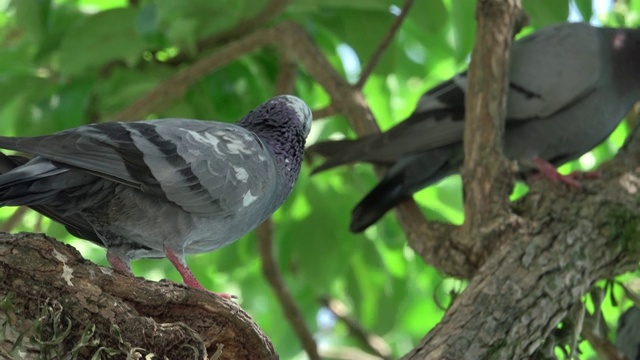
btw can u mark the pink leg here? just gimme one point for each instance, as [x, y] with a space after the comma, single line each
[550, 172]
[586, 174]
[118, 261]
[187, 276]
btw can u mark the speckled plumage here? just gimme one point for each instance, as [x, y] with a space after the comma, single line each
[163, 187]
[570, 85]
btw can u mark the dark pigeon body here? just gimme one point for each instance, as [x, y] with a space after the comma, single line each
[570, 85]
[628, 333]
[163, 187]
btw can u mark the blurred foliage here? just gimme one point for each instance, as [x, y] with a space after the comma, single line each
[66, 63]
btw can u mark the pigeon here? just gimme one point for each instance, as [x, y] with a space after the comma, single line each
[570, 85]
[161, 188]
[628, 333]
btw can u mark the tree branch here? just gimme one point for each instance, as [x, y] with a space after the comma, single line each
[75, 307]
[486, 174]
[274, 277]
[14, 219]
[372, 341]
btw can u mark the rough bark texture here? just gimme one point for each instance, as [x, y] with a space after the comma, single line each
[57, 305]
[486, 175]
[540, 256]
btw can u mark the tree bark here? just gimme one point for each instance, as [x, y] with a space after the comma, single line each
[57, 305]
[539, 256]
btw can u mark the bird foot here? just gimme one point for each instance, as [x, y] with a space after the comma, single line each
[187, 276]
[549, 171]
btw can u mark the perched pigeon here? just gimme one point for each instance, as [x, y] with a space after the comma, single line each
[165, 187]
[570, 85]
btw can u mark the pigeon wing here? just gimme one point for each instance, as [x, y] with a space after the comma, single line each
[552, 69]
[206, 168]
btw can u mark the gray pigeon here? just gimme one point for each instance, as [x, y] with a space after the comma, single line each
[166, 187]
[570, 85]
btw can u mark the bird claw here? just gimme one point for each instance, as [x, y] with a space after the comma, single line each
[187, 276]
[572, 180]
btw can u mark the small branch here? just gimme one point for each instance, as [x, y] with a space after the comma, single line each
[286, 81]
[274, 277]
[374, 342]
[174, 87]
[347, 353]
[377, 54]
[324, 112]
[14, 219]
[603, 347]
[486, 186]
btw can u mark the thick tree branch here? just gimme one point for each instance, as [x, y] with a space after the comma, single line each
[485, 171]
[73, 306]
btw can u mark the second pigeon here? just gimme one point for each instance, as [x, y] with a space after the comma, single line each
[570, 85]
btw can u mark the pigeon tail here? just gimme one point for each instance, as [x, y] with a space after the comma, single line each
[10, 162]
[336, 153]
[389, 192]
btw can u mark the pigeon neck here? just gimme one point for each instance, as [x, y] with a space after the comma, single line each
[286, 141]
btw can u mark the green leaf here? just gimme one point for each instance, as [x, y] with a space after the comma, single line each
[464, 27]
[98, 39]
[586, 8]
[32, 16]
[70, 104]
[546, 12]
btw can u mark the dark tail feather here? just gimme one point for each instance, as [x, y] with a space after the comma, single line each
[10, 162]
[75, 223]
[387, 194]
[337, 153]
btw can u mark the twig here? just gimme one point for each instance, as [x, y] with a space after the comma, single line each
[14, 219]
[374, 342]
[324, 112]
[274, 277]
[286, 80]
[603, 347]
[377, 54]
[174, 87]
[347, 353]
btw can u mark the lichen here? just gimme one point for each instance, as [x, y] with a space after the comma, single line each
[624, 228]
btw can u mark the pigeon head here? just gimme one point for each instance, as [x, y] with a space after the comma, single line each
[282, 123]
[625, 58]
[284, 112]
